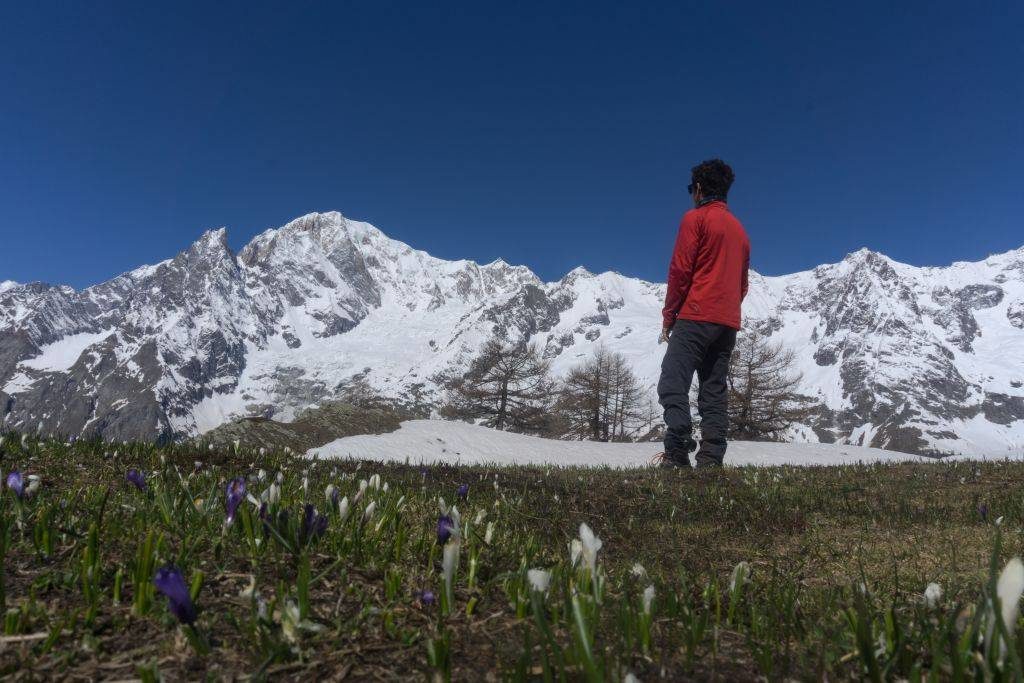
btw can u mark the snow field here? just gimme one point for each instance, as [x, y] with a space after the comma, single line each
[431, 442]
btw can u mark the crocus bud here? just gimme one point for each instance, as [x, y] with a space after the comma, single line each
[932, 595]
[590, 545]
[445, 527]
[235, 496]
[171, 583]
[137, 479]
[648, 598]
[16, 483]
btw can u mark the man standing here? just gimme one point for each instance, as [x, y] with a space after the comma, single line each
[707, 281]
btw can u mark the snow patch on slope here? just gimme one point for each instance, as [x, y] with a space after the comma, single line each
[61, 355]
[439, 441]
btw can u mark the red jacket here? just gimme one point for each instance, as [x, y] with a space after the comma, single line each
[707, 276]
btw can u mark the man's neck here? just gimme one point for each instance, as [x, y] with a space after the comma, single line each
[708, 200]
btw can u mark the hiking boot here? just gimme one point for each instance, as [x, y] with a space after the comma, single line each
[707, 462]
[674, 460]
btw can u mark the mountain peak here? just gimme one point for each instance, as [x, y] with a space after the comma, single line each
[577, 273]
[313, 219]
[862, 254]
[213, 238]
[211, 244]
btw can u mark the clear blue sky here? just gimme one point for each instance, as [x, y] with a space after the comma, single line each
[549, 134]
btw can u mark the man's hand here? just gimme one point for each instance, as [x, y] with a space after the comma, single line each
[665, 331]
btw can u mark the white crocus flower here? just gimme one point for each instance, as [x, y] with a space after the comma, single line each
[575, 550]
[362, 486]
[274, 494]
[443, 505]
[279, 479]
[739, 575]
[236, 444]
[33, 485]
[330, 492]
[249, 591]
[450, 563]
[292, 623]
[630, 678]
[932, 595]
[480, 516]
[648, 598]
[375, 482]
[305, 486]
[290, 619]
[1009, 589]
[489, 534]
[456, 524]
[539, 580]
[368, 513]
[638, 571]
[591, 544]
[343, 508]
[261, 475]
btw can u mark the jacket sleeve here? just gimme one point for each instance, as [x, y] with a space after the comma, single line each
[746, 280]
[680, 268]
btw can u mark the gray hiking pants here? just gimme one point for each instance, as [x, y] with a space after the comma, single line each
[703, 348]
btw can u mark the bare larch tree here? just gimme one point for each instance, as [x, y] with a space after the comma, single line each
[763, 398]
[601, 400]
[506, 387]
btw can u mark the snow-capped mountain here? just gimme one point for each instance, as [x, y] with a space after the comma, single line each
[915, 359]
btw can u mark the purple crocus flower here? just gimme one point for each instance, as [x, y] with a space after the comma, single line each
[462, 491]
[313, 524]
[983, 511]
[425, 597]
[170, 582]
[236, 494]
[137, 478]
[16, 483]
[445, 527]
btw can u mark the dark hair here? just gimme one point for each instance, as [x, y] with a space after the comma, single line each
[715, 177]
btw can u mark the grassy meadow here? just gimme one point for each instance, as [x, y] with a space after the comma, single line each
[175, 563]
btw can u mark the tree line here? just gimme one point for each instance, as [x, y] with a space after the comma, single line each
[511, 387]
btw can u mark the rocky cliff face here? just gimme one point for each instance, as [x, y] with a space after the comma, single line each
[918, 359]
